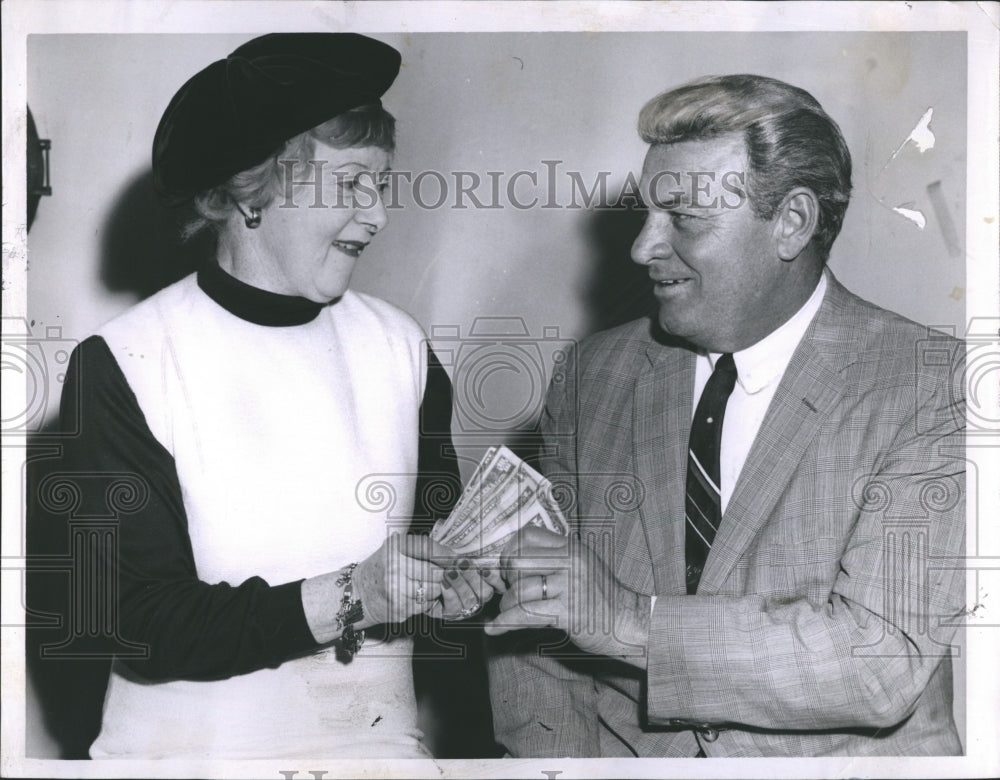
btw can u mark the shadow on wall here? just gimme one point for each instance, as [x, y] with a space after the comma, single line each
[618, 290]
[615, 291]
[141, 250]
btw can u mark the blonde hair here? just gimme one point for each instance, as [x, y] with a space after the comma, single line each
[369, 125]
[790, 140]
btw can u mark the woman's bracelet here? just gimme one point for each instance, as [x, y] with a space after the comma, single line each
[350, 612]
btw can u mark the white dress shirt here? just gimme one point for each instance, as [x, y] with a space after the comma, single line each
[760, 368]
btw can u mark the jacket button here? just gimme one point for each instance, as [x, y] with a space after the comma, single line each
[710, 735]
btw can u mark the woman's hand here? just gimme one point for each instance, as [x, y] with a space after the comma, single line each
[403, 577]
[400, 579]
[465, 588]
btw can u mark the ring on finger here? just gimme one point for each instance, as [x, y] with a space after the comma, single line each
[421, 595]
[465, 613]
[545, 587]
[471, 610]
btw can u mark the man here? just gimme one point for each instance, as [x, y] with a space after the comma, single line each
[787, 585]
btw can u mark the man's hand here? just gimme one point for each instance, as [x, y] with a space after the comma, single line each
[559, 582]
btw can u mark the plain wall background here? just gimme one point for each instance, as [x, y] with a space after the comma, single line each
[506, 102]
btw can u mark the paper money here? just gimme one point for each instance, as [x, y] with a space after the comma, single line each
[491, 472]
[503, 495]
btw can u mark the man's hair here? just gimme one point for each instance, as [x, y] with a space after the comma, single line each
[369, 125]
[790, 140]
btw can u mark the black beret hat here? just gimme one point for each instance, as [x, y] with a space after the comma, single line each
[238, 111]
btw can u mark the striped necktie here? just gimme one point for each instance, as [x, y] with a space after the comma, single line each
[703, 505]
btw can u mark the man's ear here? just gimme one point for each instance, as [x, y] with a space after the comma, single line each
[795, 223]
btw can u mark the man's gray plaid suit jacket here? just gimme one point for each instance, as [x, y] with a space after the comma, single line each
[823, 619]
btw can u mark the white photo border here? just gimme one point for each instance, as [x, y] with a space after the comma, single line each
[980, 20]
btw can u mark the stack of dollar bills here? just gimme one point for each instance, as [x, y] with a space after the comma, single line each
[503, 496]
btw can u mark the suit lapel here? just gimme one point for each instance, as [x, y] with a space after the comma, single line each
[808, 392]
[661, 425]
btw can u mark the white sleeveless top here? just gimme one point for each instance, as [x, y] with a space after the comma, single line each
[296, 451]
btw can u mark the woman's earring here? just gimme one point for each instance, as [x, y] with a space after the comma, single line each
[252, 220]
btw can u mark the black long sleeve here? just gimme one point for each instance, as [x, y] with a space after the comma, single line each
[439, 483]
[193, 629]
[449, 667]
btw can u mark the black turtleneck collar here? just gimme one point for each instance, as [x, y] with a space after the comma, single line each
[253, 304]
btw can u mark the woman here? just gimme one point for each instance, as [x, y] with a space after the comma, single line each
[250, 402]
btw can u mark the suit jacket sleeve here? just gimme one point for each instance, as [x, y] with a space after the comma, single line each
[543, 706]
[862, 659]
